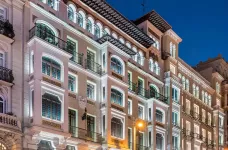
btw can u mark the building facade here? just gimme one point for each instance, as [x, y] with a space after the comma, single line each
[77, 75]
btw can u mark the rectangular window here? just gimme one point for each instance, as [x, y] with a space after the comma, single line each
[150, 139]
[220, 122]
[70, 147]
[71, 48]
[2, 13]
[141, 112]
[175, 142]
[141, 86]
[90, 91]
[129, 107]
[220, 139]
[91, 126]
[71, 83]
[103, 124]
[72, 114]
[196, 110]
[51, 68]
[188, 127]
[117, 128]
[204, 135]
[203, 115]
[196, 129]
[175, 118]
[175, 94]
[209, 137]
[209, 119]
[188, 107]
[150, 118]
[129, 138]
[31, 103]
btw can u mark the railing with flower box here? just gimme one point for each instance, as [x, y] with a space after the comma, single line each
[85, 134]
[49, 37]
[10, 121]
[6, 28]
[6, 74]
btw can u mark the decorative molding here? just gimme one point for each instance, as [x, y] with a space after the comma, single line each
[51, 124]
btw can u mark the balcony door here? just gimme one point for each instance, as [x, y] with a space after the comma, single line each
[140, 140]
[141, 86]
[91, 60]
[90, 126]
[72, 121]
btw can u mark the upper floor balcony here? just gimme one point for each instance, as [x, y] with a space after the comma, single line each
[6, 75]
[6, 28]
[8, 121]
[45, 34]
[147, 94]
[93, 66]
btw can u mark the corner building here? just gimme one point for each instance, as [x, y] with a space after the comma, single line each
[75, 57]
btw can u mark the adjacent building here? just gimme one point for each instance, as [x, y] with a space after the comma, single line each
[78, 75]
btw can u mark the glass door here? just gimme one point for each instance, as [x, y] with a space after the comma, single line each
[72, 122]
[90, 126]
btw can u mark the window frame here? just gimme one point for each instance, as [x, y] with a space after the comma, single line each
[94, 92]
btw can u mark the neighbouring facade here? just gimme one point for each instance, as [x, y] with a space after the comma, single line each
[77, 75]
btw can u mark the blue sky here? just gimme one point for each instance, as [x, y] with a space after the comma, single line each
[202, 24]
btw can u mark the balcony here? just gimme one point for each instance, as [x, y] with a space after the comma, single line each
[50, 38]
[85, 134]
[6, 75]
[6, 28]
[187, 133]
[77, 58]
[11, 122]
[147, 94]
[141, 147]
[198, 136]
[93, 66]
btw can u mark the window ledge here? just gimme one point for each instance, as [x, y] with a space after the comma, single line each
[52, 80]
[117, 138]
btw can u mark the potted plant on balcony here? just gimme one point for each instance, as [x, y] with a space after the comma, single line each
[6, 28]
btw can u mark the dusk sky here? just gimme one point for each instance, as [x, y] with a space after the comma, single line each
[202, 24]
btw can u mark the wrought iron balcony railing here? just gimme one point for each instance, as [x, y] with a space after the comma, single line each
[85, 134]
[93, 66]
[50, 38]
[156, 95]
[141, 147]
[6, 74]
[77, 58]
[6, 28]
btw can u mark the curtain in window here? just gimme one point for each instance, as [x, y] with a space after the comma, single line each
[51, 107]
[116, 128]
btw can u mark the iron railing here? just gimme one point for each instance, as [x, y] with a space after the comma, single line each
[93, 66]
[6, 28]
[158, 96]
[77, 58]
[85, 134]
[45, 35]
[6, 74]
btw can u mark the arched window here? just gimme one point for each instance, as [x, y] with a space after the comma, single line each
[89, 26]
[159, 116]
[159, 141]
[116, 128]
[140, 58]
[51, 107]
[121, 40]
[80, 20]
[194, 90]
[205, 98]
[179, 75]
[52, 4]
[51, 68]
[183, 82]
[156, 68]
[153, 91]
[46, 33]
[187, 85]
[106, 31]
[71, 12]
[2, 146]
[114, 35]
[116, 97]
[45, 145]
[97, 31]
[1, 105]
[217, 88]
[197, 92]
[151, 64]
[116, 65]
[136, 55]
[128, 45]
[202, 96]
